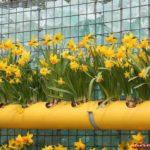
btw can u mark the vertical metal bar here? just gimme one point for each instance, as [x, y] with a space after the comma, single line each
[149, 18]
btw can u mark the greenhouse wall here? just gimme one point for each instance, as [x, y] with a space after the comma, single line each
[23, 19]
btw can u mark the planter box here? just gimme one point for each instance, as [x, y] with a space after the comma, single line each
[85, 116]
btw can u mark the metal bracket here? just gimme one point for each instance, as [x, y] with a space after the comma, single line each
[92, 121]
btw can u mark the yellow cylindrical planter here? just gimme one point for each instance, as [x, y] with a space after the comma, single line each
[115, 115]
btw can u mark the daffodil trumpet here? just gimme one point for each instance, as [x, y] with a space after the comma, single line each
[64, 116]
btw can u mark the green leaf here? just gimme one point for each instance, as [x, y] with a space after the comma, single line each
[59, 90]
[140, 85]
[90, 88]
[103, 68]
[133, 78]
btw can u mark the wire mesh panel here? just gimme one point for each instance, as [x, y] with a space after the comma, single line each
[93, 139]
[23, 19]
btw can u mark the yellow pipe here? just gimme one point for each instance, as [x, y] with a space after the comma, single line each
[63, 116]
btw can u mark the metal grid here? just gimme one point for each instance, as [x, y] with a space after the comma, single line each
[93, 139]
[23, 19]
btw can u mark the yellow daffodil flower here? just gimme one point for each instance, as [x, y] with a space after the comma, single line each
[8, 44]
[71, 57]
[48, 148]
[33, 43]
[61, 81]
[111, 39]
[144, 44]
[121, 52]
[28, 139]
[43, 63]
[79, 145]
[101, 50]
[60, 147]
[109, 64]
[71, 45]
[58, 37]
[99, 77]
[129, 40]
[65, 54]
[85, 41]
[109, 53]
[122, 146]
[139, 138]
[44, 71]
[74, 65]
[80, 54]
[53, 59]
[142, 74]
[47, 40]
[3, 65]
[24, 58]
[84, 68]
[127, 75]
[19, 139]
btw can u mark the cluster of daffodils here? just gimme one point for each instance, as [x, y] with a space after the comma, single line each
[71, 70]
[133, 144]
[19, 143]
[23, 142]
[13, 58]
[15, 72]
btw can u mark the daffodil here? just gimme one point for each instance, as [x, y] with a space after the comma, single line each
[74, 65]
[28, 139]
[144, 44]
[60, 147]
[8, 44]
[111, 39]
[44, 71]
[109, 52]
[3, 65]
[80, 54]
[25, 57]
[65, 54]
[139, 138]
[121, 52]
[85, 41]
[99, 77]
[43, 63]
[129, 40]
[58, 37]
[127, 74]
[143, 74]
[108, 64]
[15, 145]
[17, 51]
[101, 49]
[122, 146]
[33, 43]
[53, 59]
[61, 81]
[48, 148]
[71, 45]
[17, 80]
[71, 57]
[17, 73]
[79, 145]
[84, 68]
[47, 41]
[19, 139]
